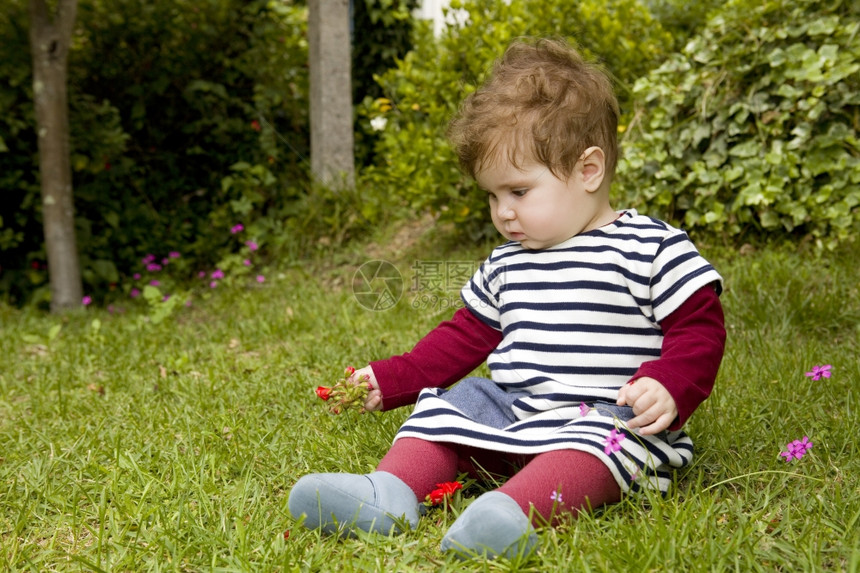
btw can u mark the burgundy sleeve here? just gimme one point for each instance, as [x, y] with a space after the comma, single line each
[694, 337]
[445, 355]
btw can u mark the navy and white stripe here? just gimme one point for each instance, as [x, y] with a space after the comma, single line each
[577, 320]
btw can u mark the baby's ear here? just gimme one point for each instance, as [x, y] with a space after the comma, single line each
[592, 168]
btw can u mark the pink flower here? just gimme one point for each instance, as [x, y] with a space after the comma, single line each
[819, 371]
[237, 228]
[247, 262]
[583, 409]
[217, 274]
[87, 300]
[153, 267]
[556, 496]
[147, 259]
[252, 245]
[213, 284]
[796, 449]
[135, 292]
[136, 276]
[612, 443]
[261, 279]
[174, 254]
[154, 283]
[201, 275]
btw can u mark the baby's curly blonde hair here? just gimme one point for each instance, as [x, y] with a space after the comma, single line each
[544, 102]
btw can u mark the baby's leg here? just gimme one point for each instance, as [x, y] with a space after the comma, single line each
[563, 481]
[342, 503]
[420, 464]
[497, 523]
[379, 501]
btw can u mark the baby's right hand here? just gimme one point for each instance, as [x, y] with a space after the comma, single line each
[374, 396]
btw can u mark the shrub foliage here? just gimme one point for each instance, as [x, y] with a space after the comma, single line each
[753, 127]
[169, 100]
[187, 117]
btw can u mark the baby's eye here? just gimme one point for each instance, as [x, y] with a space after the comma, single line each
[518, 192]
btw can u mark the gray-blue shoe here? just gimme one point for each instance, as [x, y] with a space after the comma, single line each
[492, 525]
[379, 502]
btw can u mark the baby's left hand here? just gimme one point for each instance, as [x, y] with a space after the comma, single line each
[652, 404]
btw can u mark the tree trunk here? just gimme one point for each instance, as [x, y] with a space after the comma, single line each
[50, 38]
[332, 153]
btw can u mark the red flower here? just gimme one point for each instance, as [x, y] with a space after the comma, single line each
[255, 125]
[346, 394]
[286, 535]
[444, 491]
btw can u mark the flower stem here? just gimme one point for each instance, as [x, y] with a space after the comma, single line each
[731, 479]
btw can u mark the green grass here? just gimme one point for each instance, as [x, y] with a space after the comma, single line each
[132, 446]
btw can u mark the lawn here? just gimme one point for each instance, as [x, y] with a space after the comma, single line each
[129, 445]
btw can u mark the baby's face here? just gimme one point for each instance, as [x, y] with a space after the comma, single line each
[532, 206]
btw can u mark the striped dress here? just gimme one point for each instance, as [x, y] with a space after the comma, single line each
[577, 321]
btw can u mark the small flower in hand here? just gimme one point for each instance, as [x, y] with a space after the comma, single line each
[344, 394]
[443, 493]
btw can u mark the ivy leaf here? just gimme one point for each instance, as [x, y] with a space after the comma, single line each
[774, 90]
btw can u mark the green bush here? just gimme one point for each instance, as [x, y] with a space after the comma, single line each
[187, 117]
[382, 33]
[752, 129]
[17, 152]
[415, 167]
[682, 18]
[203, 87]
[167, 98]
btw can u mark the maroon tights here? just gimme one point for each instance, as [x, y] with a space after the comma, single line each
[578, 478]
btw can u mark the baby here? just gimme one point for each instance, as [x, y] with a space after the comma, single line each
[602, 330]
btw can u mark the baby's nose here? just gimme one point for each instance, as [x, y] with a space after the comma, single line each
[505, 212]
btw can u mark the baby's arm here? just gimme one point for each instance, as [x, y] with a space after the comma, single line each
[673, 386]
[445, 355]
